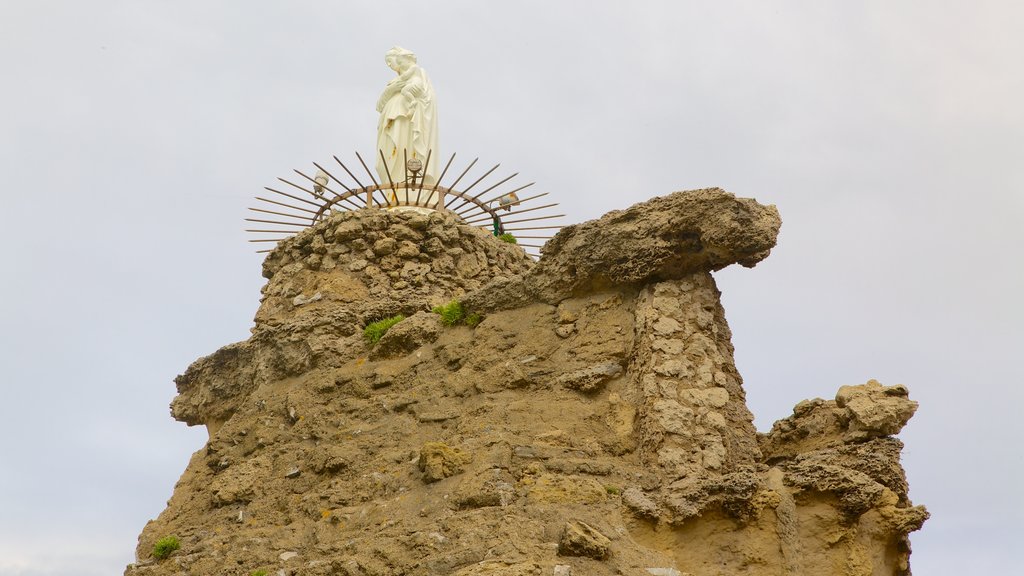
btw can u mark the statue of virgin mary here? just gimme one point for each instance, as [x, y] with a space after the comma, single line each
[408, 120]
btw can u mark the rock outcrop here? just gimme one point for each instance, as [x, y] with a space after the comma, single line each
[593, 423]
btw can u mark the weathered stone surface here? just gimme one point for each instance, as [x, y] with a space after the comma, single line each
[439, 461]
[858, 413]
[491, 487]
[408, 335]
[581, 539]
[640, 504]
[600, 389]
[876, 410]
[665, 238]
[590, 378]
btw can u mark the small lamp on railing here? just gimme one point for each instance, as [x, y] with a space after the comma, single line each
[413, 165]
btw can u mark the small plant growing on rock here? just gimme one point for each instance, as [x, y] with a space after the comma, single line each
[506, 237]
[258, 573]
[473, 319]
[451, 313]
[375, 330]
[164, 546]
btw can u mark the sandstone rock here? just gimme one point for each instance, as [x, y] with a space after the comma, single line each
[640, 504]
[591, 378]
[876, 410]
[384, 246]
[439, 461]
[492, 487]
[499, 568]
[408, 335]
[300, 299]
[623, 309]
[555, 488]
[581, 539]
[565, 330]
[667, 237]
[859, 413]
[331, 459]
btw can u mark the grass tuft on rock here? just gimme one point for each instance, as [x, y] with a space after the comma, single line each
[506, 237]
[375, 330]
[451, 313]
[165, 546]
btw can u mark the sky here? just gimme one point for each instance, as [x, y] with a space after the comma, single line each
[134, 135]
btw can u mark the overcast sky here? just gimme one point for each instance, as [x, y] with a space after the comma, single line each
[134, 134]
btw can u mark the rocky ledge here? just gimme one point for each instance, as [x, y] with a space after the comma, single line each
[590, 420]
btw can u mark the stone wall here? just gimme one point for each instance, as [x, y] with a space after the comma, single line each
[693, 416]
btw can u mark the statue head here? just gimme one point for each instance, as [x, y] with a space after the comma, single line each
[399, 59]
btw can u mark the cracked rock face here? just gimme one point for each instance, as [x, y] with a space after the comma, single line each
[592, 423]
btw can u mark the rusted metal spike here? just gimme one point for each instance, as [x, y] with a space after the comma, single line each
[324, 186]
[445, 171]
[277, 222]
[536, 228]
[469, 212]
[264, 251]
[342, 164]
[310, 192]
[292, 197]
[372, 179]
[426, 165]
[532, 219]
[270, 239]
[390, 181]
[273, 231]
[525, 186]
[474, 198]
[459, 179]
[330, 175]
[522, 211]
[470, 187]
[353, 193]
[362, 188]
[280, 213]
[286, 205]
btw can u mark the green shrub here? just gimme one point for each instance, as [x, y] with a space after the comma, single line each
[473, 319]
[258, 573]
[451, 313]
[611, 489]
[506, 237]
[164, 546]
[374, 330]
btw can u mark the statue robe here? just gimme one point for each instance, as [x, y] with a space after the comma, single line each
[408, 122]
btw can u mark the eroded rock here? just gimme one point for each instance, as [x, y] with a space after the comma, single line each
[439, 461]
[600, 389]
[581, 539]
[408, 335]
[665, 238]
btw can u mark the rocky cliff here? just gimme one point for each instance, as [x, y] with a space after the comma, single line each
[593, 423]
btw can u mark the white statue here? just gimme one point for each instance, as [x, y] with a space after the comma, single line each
[408, 122]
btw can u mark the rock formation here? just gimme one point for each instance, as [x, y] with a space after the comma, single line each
[593, 423]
